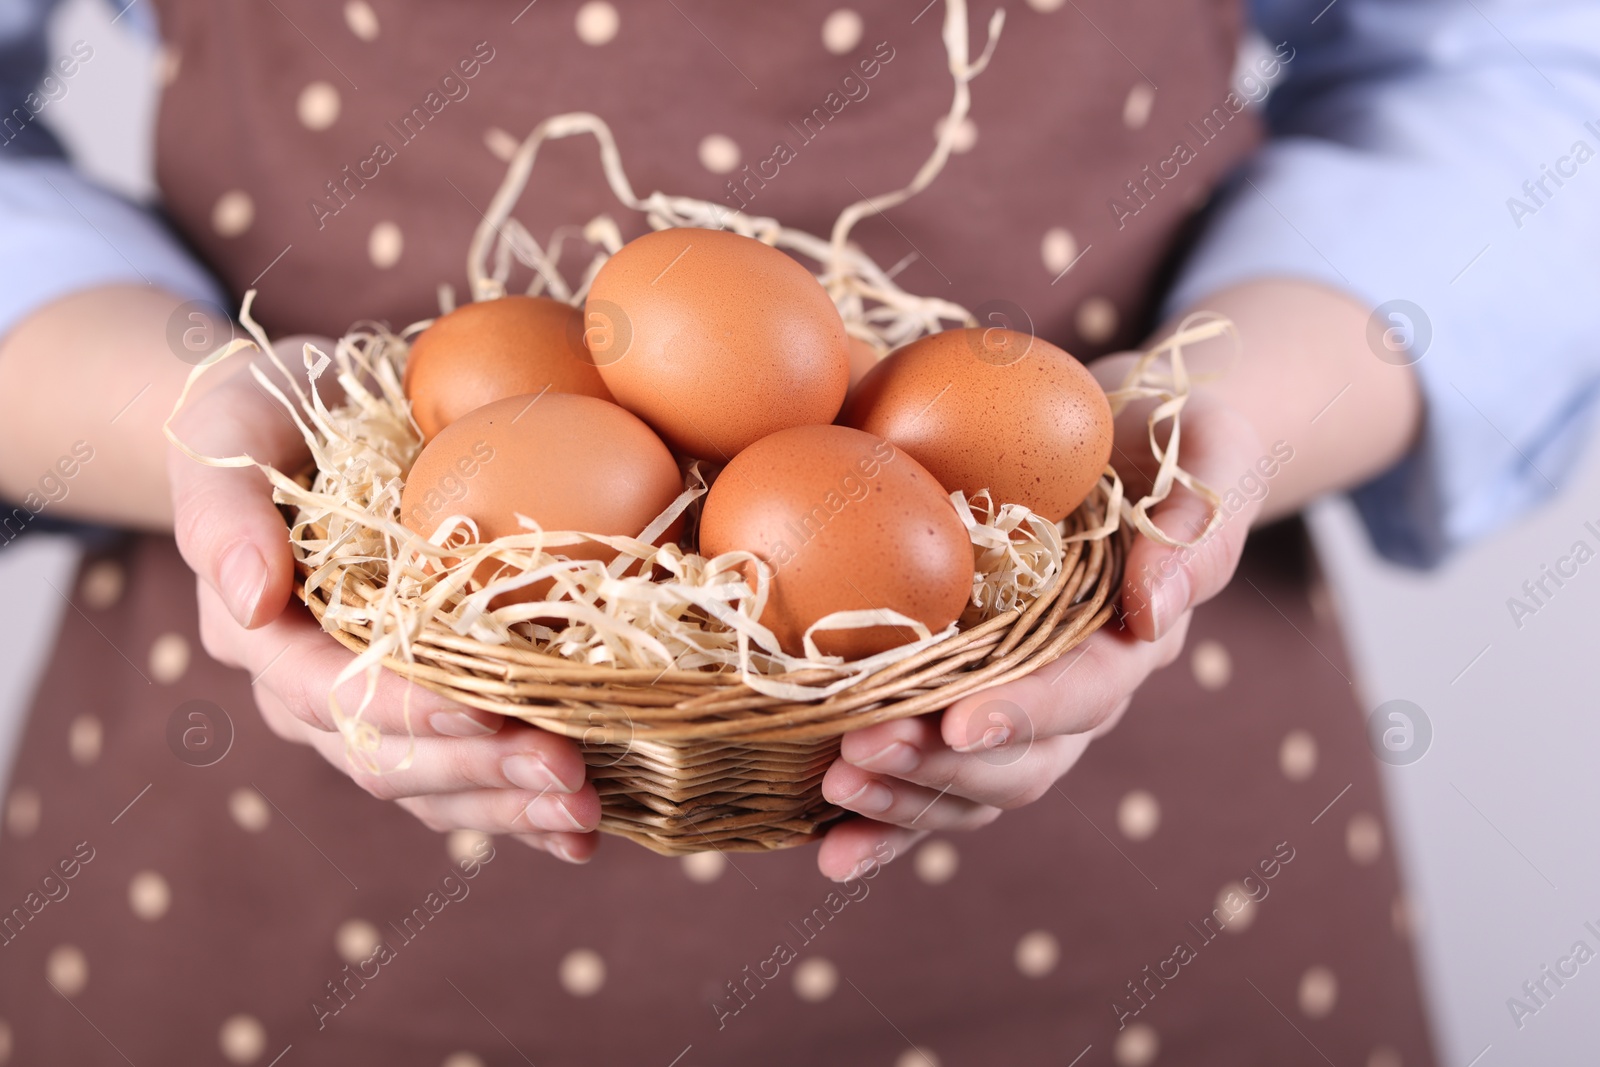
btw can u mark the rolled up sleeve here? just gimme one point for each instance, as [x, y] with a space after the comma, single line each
[1444, 153]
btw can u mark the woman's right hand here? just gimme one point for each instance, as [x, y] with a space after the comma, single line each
[470, 769]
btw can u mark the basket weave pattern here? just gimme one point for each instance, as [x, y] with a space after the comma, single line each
[691, 760]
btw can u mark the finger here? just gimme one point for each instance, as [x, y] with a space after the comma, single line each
[855, 848]
[1004, 778]
[296, 659]
[1160, 583]
[499, 811]
[227, 527]
[900, 803]
[1078, 693]
[572, 848]
[518, 758]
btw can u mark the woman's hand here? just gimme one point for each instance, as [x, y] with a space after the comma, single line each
[470, 769]
[1005, 747]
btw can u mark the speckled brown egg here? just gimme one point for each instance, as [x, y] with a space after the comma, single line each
[716, 340]
[567, 462]
[492, 349]
[992, 409]
[848, 522]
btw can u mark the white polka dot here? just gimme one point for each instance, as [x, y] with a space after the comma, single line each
[704, 867]
[242, 1038]
[102, 584]
[1236, 908]
[1384, 1056]
[1402, 919]
[249, 810]
[355, 940]
[1046, 5]
[966, 135]
[318, 106]
[1297, 756]
[1136, 1046]
[168, 62]
[1096, 320]
[583, 972]
[1037, 953]
[936, 862]
[233, 213]
[1319, 992]
[1363, 839]
[67, 968]
[23, 811]
[841, 31]
[169, 658]
[815, 979]
[5, 1043]
[362, 20]
[501, 144]
[462, 1059]
[463, 845]
[1138, 815]
[1211, 664]
[917, 1057]
[84, 739]
[597, 22]
[1136, 108]
[1058, 249]
[719, 154]
[149, 896]
[384, 245]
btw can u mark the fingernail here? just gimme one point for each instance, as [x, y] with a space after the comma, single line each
[1169, 600]
[550, 812]
[240, 579]
[564, 850]
[871, 799]
[529, 771]
[896, 757]
[458, 724]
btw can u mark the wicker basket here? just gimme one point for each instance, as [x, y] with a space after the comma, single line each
[688, 761]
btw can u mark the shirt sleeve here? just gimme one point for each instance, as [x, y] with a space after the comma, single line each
[60, 232]
[1440, 153]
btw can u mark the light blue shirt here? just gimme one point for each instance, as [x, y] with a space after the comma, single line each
[1438, 152]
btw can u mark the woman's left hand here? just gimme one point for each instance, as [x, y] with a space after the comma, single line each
[1005, 747]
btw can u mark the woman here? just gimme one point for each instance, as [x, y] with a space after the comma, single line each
[1211, 886]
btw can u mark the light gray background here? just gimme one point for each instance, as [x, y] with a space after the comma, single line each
[1497, 824]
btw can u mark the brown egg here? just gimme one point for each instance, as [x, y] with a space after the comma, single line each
[992, 409]
[567, 462]
[863, 357]
[716, 340]
[848, 522]
[493, 349]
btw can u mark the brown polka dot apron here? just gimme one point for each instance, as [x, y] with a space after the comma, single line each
[1212, 885]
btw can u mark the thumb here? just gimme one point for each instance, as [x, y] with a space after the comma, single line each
[1222, 450]
[228, 528]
